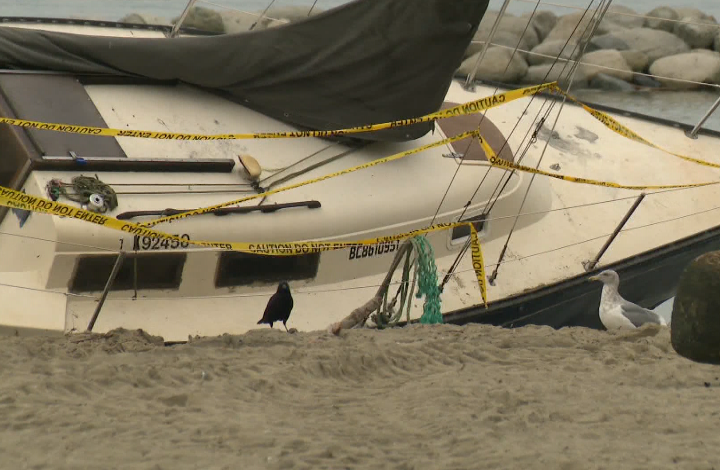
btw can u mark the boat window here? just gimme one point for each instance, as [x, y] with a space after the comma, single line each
[464, 231]
[154, 271]
[240, 269]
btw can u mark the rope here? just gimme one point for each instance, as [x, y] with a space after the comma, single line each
[427, 285]
[425, 276]
[83, 188]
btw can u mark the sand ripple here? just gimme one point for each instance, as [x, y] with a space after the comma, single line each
[420, 397]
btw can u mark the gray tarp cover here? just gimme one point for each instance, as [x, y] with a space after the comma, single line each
[364, 62]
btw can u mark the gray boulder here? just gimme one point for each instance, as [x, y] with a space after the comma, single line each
[638, 61]
[508, 24]
[543, 22]
[204, 19]
[141, 18]
[543, 73]
[610, 62]
[709, 52]
[573, 26]
[502, 38]
[292, 13]
[553, 48]
[697, 66]
[699, 30]
[624, 16]
[606, 82]
[238, 22]
[690, 11]
[655, 18]
[608, 41]
[654, 43]
[695, 320]
[645, 81]
[494, 64]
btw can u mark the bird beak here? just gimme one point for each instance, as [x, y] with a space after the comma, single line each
[593, 278]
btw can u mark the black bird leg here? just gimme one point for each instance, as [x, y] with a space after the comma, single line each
[285, 327]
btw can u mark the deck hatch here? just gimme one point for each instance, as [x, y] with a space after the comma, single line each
[154, 271]
[57, 99]
[241, 269]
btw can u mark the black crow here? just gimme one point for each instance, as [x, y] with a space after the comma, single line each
[279, 306]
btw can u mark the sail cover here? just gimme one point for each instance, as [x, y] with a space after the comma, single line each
[365, 62]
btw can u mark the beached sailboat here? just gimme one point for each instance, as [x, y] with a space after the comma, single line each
[363, 63]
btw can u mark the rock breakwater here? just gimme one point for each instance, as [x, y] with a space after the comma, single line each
[665, 48]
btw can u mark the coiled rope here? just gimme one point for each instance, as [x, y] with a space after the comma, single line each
[421, 260]
[82, 188]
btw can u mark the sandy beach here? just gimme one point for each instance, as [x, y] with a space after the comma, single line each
[421, 397]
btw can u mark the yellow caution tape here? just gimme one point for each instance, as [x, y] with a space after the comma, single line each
[397, 156]
[471, 107]
[624, 131]
[494, 160]
[19, 200]
[478, 263]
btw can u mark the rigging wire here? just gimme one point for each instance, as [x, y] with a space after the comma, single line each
[493, 276]
[464, 249]
[312, 7]
[482, 118]
[487, 172]
[552, 104]
[541, 122]
[262, 16]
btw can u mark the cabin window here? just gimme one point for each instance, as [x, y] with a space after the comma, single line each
[154, 271]
[464, 231]
[240, 269]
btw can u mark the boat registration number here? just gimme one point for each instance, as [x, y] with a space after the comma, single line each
[366, 251]
[149, 243]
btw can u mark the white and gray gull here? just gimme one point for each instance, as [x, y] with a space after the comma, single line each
[617, 313]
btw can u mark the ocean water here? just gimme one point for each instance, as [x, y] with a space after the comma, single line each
[115, 9]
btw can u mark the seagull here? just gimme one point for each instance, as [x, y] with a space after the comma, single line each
[617, 313]
[279, 306]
